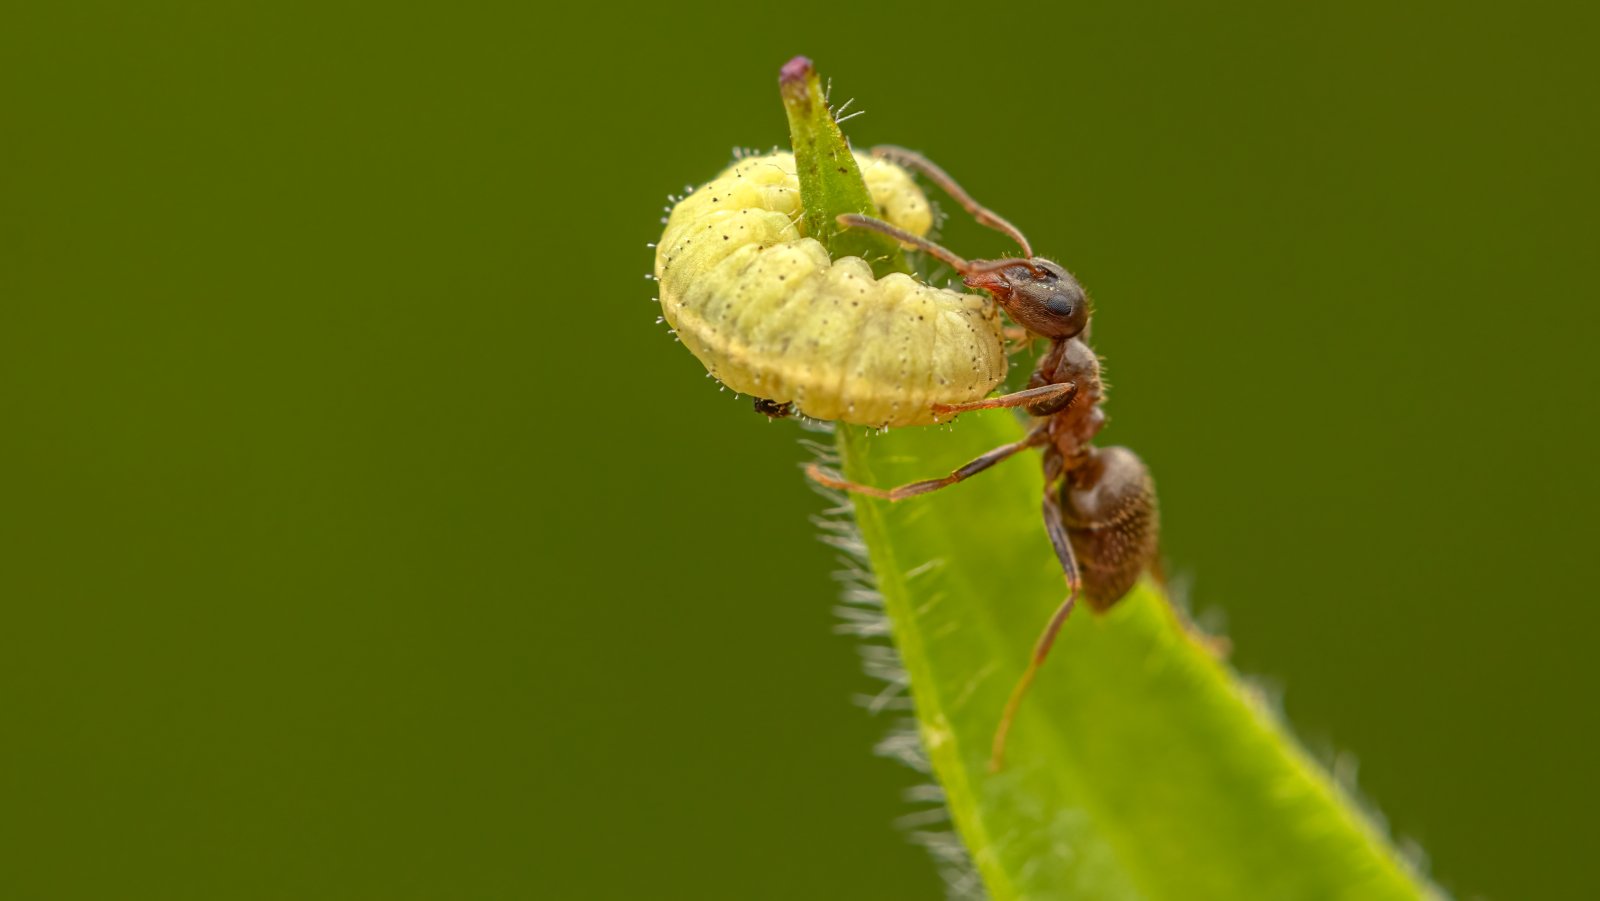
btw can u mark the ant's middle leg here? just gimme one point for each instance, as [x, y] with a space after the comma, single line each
[1032, 439]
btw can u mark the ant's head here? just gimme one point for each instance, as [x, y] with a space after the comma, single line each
[1039, 295]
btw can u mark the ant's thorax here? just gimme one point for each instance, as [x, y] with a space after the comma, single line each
[1072, 429]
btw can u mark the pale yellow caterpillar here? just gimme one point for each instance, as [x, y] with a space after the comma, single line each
[770, 315]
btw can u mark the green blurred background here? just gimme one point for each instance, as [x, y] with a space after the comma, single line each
[362, 537]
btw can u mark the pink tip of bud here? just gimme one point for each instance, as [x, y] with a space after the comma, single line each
[795, 71]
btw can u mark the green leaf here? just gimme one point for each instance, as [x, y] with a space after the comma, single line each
[1139, 766]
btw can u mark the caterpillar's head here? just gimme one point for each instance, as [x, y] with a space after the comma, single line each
[1039, 295]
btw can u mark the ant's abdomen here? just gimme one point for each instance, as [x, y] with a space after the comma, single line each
[1109, 503]
[769, 314]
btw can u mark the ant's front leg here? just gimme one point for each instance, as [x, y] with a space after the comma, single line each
[1018, 338]
[1032, 439]
[1041, 400]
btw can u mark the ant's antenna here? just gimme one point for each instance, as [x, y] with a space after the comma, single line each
[856, 220]
[985, 216]
[960, 264]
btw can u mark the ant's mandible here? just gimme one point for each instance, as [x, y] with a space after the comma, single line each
[1099, 502]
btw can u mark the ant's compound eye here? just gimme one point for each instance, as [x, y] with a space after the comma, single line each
[1061, 305]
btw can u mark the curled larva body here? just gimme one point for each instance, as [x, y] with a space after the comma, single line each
[770, 315]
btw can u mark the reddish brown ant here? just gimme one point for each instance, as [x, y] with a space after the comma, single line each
[1099, 503]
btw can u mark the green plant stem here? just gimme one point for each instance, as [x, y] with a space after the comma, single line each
[830, 180]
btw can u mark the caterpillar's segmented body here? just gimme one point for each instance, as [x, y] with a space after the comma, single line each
[770, 315]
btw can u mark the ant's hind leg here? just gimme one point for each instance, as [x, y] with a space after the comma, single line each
[985, 216]
[915, 488]
[1057, 530]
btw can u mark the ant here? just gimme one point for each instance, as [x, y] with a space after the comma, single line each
[773, 409]
[1099, 502]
